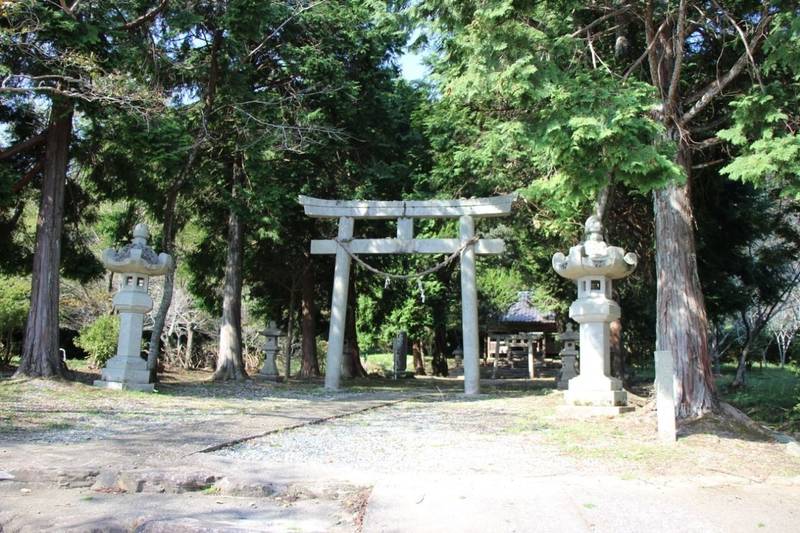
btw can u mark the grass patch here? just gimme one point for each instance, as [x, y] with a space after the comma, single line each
[771, 395]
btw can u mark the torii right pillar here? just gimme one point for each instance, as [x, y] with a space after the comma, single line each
[593, 264]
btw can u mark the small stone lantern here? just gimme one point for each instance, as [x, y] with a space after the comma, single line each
[569, 356]
[270, 369]
[458, 355]
[136, 262]
[593, 265]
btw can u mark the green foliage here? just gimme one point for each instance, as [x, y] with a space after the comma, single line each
[762, 131]
[772, 395]
[14, 302]
[99, 339]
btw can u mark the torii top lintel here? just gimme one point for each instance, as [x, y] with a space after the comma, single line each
[496, 206]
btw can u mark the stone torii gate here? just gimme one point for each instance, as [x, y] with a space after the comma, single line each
[345, 247]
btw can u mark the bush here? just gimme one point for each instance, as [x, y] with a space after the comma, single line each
[14, 301]
[99, 339]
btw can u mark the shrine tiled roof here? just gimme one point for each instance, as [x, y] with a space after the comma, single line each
[522, 311]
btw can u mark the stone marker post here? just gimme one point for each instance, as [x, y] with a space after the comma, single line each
[400, 354]
[569, 357]
[531, 356]
[137, 262]
[593, 265]
[270, 369]
[665, 396]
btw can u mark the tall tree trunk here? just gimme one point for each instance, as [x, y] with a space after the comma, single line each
[40, 356]
[170, 223]
[750, 333]
[308, 326]
[681, 322]
[351, 356]
[418, 353]
[169, 282]
[230, 365]
[189, 346]
[287, 368]
[439, 362]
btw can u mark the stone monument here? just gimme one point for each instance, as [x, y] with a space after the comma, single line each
[569, 356]
[458, 356]
[593, 265]
[136, 262]
[270, 369]
[400, 354]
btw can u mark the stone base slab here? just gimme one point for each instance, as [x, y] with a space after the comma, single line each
[586, 411]
[563, 385]
[124, 385]
[600, 398]
[269, 377]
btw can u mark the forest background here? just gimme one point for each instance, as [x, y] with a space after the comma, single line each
[674, 122]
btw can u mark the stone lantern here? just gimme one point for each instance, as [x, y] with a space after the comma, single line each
[270, 369]
[593, 265]
[458, 355]
[569, 356]
[136, 262]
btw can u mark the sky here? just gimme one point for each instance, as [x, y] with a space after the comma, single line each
[411, 66]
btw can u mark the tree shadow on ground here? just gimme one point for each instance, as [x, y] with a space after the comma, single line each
[724, 427]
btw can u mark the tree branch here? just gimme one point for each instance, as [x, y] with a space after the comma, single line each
[678, 43]
[743, 38]
[598, 20]
[714, 88]
[651, 36]
[36, 140]
[147, 17]
[646, 53]
[24, 180]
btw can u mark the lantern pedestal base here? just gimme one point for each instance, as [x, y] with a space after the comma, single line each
[125, 372]
[121, 385]
[587, 411]
[596, 397]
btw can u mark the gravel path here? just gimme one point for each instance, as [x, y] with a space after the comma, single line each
[424, 436]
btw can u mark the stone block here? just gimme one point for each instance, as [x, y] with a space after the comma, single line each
[599, 398]
[121, 385]
[665, 396]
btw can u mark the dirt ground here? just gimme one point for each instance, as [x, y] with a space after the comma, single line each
[413, 455]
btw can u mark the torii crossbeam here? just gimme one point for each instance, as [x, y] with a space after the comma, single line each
[405, 243]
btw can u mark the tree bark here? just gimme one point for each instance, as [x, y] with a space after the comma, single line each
[439, 362]
[40, 356]
[681, 322]
[169, 283]
[189, 346]
[418, 354]
[287, 368]
[351, 356]
[230, 365]
[308, 327]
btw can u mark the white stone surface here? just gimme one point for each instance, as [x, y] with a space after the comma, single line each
[341, 286]
[469, 309]
[665, 396]
[406, 246]
[136, 262]
[593, 264]
[375, 209]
